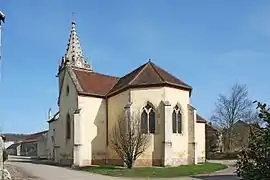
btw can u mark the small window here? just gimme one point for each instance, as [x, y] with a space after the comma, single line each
[68, 127]
[67, 90]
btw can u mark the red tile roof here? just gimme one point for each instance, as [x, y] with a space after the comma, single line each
[93, 83]
[149, 74]
[200, 119]
[34, 137]
[54, 118]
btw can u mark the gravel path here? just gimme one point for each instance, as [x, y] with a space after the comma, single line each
[18, 173]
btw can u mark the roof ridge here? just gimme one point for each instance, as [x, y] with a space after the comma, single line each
[151, 64]
[106, 75]
[75, 80]
[81, 69]
[137, 75]
[88, 71]
[132, 71]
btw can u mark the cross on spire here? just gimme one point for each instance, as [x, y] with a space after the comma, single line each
[73, 16]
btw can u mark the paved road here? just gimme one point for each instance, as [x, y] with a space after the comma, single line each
[36, 171]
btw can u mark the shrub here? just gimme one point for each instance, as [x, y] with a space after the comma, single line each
[254, 161]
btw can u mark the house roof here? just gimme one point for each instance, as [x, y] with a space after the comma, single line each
[15, 145]
[211, 127]
[15, 137]
[54, 118]
[147, 75]
[200, 119]
[93, 83]
[34, 137]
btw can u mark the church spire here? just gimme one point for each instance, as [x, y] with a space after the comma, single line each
[74, 55]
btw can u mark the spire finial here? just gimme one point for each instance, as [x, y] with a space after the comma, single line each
[73, 18]
[149, 60]
[74, 55]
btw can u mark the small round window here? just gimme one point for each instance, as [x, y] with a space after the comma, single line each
[67, 90]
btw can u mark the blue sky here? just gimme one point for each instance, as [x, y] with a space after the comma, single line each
[211, 45]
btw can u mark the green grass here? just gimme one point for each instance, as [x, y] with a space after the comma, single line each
[184, 170]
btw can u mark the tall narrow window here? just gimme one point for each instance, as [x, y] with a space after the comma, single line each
[144, 123]
[174, 122]
[148, 119]
[152, 121]
[177, 120]
[67, 91]
[68, 127]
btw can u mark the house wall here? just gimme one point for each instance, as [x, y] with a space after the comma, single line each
[212, 143]
[68, 103]
[42, 150]
[29, 149]
[8, 143]
[54, 140]
[139, 97]
[93, 131]
[179, 141]
[18, 149]
[50, 140]
[13, 149]
[200, 140]
[240, 136]
[116, 106]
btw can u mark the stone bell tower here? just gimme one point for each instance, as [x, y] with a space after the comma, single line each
[73, 56]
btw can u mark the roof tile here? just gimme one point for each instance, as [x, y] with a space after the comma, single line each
[147, 74]
[94, 83]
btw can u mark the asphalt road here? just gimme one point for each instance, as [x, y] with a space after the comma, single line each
[29, 169]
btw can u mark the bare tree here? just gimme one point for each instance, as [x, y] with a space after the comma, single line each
[127, 139]
[231, 109]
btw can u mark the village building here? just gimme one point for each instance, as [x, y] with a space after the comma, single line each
[90, 104]
[33, 145]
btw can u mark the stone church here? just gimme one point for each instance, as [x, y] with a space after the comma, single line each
[90, 104]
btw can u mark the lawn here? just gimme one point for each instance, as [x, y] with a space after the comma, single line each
[184, 170]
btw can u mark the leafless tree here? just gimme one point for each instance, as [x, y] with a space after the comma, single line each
[127, 139]
[231, 109]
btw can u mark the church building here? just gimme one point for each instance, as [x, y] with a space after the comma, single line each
[90, 104]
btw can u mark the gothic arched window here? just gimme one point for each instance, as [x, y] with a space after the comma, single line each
[68, 127]
[177, 120]
[148, 119]
[144, 121]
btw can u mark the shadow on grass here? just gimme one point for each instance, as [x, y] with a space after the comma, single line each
[217, 177]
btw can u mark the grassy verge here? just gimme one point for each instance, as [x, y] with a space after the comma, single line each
[184, 170]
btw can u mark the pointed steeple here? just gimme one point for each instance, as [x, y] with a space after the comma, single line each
[74, 55]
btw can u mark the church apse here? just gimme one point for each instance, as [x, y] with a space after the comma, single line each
[116, 105]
